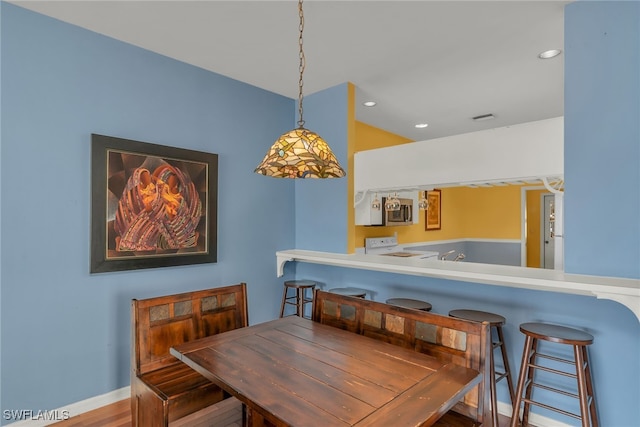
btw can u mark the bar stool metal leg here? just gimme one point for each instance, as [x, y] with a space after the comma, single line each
[592, 406]
[505, 360]
[300, 298]
[585, 387]
[529, 383]
[284, 299]
[492, 387]
[582, 386]
[526, 354]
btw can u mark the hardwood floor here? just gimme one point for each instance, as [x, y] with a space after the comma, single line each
[227, 413]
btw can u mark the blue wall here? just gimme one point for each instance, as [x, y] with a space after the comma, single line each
[602, 138]
[64, 333]
[0, 210]
[321, 213]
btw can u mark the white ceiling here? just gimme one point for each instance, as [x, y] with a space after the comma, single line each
[440, 62]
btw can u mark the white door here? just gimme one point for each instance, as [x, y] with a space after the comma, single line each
[549, 230]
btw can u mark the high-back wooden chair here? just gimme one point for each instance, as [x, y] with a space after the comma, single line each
[163, 388]
[451, 340]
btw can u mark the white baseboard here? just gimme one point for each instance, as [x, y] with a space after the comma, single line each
[74, 409]
[534, 419]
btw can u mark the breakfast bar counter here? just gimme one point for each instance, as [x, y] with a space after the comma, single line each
[622, 290]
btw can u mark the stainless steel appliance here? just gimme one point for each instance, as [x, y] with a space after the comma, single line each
[402, 216]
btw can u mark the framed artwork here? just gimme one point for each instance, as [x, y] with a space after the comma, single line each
[433, 219]
[151, 205]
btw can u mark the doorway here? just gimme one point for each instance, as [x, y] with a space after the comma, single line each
[548, 227]
[535, 231]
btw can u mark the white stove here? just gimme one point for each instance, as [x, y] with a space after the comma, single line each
[388, 246]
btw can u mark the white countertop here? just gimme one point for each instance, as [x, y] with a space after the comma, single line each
[625, 291]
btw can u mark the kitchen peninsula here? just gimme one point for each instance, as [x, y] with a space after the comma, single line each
[621, 290]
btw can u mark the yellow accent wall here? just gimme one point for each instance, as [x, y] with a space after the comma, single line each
[351, 149]
[369, 137]
[491, 213]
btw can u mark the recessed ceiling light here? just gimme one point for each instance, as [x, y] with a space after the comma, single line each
[369, 103]
[548, 54]
[422, 125]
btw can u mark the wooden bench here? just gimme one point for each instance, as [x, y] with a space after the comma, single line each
[448, 339]
[164, 389]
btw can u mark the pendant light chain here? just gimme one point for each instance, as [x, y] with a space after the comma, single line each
[302, 65]
[300, 153]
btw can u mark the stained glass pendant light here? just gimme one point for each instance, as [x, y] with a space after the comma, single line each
[300, 153]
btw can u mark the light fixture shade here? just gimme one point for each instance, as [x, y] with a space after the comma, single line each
[375, 205]
[300, 153]
[392, 204]
[423, 203]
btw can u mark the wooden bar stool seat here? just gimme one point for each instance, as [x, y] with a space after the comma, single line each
[496, 322]
[350, 292]
[299, 297]
[410, 303]
[576, 338]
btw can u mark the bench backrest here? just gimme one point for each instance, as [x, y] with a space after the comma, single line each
[448, 339]
[159, 323]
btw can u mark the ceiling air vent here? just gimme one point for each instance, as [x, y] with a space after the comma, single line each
[483, 117]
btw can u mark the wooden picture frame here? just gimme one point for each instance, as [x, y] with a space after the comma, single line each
[151, 205]
[433, 215]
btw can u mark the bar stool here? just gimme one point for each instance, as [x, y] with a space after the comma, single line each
[496, 322]
[576, 338]
[350, 292]
[410, 303]
[299, 297]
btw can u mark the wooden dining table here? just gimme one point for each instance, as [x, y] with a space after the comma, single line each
[293, 371]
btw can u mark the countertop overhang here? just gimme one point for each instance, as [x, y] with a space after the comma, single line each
[622, 290]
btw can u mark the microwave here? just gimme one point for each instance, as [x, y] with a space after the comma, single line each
[402, 216]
